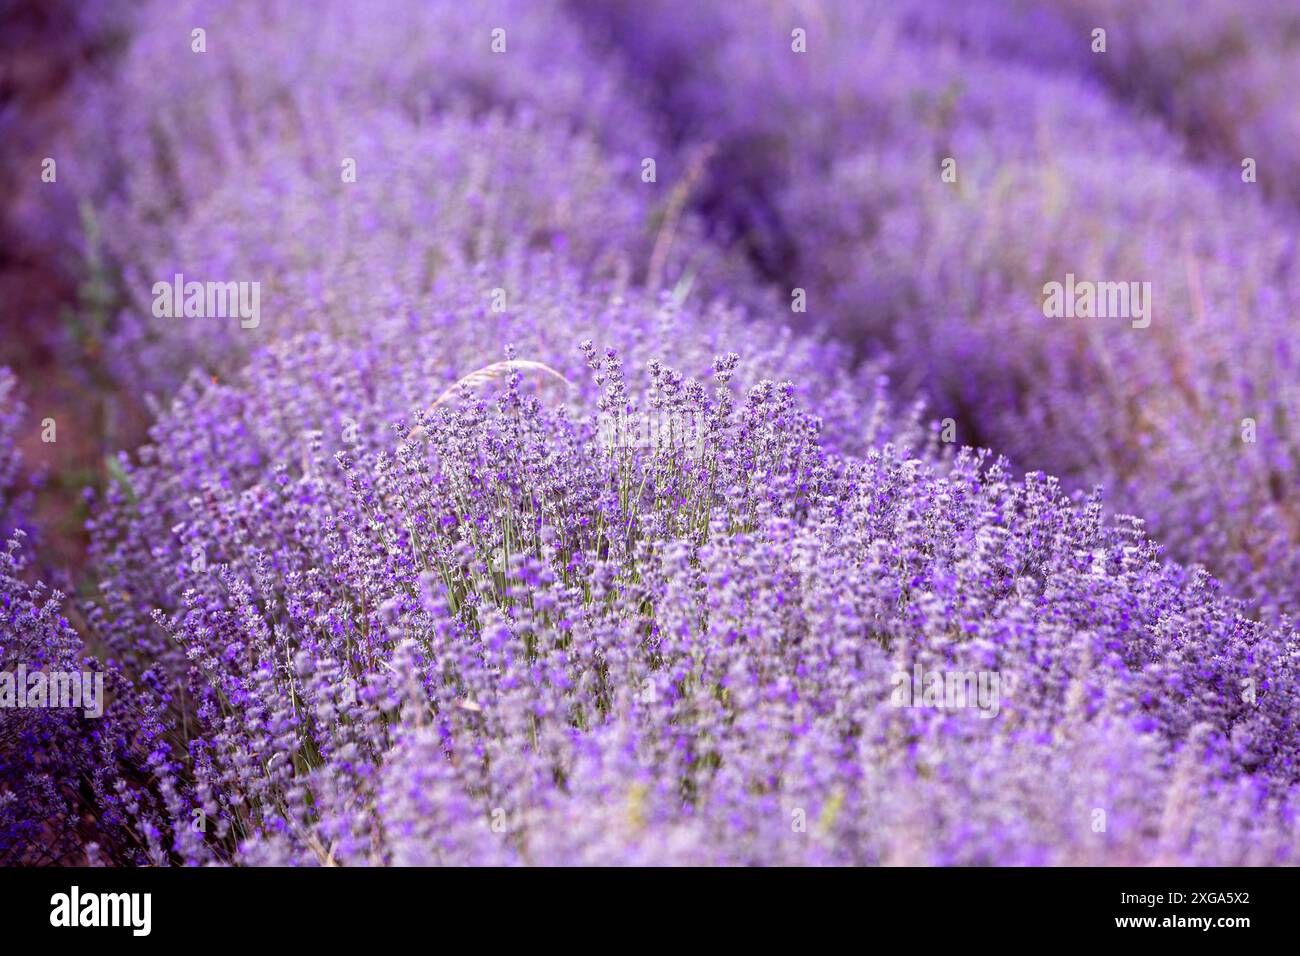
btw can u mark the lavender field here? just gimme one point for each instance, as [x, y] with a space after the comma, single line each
[671, 432]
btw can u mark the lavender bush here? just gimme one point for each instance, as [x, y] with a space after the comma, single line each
[303, 401]
[535, 638]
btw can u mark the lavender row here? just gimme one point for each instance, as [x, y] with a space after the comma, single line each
[517, 630]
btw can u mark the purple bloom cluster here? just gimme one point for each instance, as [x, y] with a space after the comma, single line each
[73, 769]
[484, 544]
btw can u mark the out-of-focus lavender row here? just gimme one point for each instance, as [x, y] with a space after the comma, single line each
[1223, 73]
[840, 154]
[241, 155]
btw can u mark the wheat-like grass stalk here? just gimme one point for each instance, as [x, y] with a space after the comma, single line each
[495, 372]
[681, 194]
